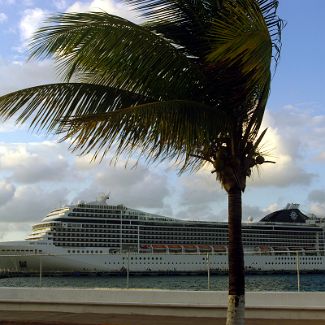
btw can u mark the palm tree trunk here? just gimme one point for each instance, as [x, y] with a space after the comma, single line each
[236, 295]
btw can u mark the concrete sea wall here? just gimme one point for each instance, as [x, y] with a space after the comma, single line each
[309, 306]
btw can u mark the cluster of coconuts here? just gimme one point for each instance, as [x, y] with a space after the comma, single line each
[258, 160]
[221, 158]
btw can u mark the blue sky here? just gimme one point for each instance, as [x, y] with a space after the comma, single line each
[301, 73]
[38, 174]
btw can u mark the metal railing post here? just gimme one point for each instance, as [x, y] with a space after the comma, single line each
[298, 270]
[128, 271]
[40, 271]
[208, 265]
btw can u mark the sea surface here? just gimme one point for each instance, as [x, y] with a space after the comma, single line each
[278, 282]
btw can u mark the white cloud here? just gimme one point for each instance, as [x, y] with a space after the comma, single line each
[33, 163]
[110, 6]
[200, 188]
[31, 20]
[3, 17]
[84, 163]
[285, 146]
[316, 200]
[272, 207]
[9, 126]
[60, 4]
[28, 3]
[136, 188]
[7, 191]
[317, 196]
[15, 76]
[7, 2]
[31, 203]
[253, 212]
[318, 209]
[198, 196]
[14, 230]
[320, 156]
[202, 212]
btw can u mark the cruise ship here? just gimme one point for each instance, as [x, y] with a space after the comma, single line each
[95, 237]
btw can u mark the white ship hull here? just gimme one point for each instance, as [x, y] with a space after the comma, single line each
[53, 260]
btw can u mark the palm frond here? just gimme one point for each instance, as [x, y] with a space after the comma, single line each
[189, 84]
[245, 34]
[274, 23]
[46, 105]
[172, 129]
[259, 139]
[241, 40]
[109, 50]
[175, 10]
[252, 127]
[184, 22]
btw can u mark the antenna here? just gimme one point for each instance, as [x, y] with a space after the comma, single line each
[292, 206]
[103, 197]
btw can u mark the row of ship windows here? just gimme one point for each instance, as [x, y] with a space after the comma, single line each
[178, 228]
[98, 232]
[173, 233]
[98, 210]
[168, 263]
[171, 228]
[174, 239]
[211, 263]
[294, 258]
[134, 243]
[165, 241]
[104, 215]
[117, 235]
[194, 241]
[147, 217]
[90, 244]
[168, 235]
[144, 258]
[135, 228]
[85, 251]
[83, 239]
[293, 262]
[21, 250]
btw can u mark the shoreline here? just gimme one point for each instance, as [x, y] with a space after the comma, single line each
[21, 274]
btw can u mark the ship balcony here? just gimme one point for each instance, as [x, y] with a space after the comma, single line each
[183, 248]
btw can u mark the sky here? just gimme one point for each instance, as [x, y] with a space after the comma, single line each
[38, 174]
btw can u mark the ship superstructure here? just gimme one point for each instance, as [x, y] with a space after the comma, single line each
[99, 225]
[114, 230]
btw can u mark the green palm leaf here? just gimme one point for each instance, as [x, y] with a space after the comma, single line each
[242, 40]
[244, 35]
[185, 22]
[159, 130]
[127, 56]
[126, 69]
[45, 106]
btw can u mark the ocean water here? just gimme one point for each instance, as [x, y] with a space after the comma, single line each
[275, 282]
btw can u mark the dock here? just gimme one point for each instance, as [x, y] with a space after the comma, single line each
[56, 306]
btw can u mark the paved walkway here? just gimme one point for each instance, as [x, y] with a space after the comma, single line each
[48, 318]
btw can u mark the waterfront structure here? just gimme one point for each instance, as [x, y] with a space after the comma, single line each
[98, 237]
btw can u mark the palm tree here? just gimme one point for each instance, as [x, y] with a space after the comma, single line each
[189, 84]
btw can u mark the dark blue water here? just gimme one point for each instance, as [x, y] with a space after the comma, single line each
[288, 282]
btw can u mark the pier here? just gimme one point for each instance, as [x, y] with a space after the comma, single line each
[159, 307]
